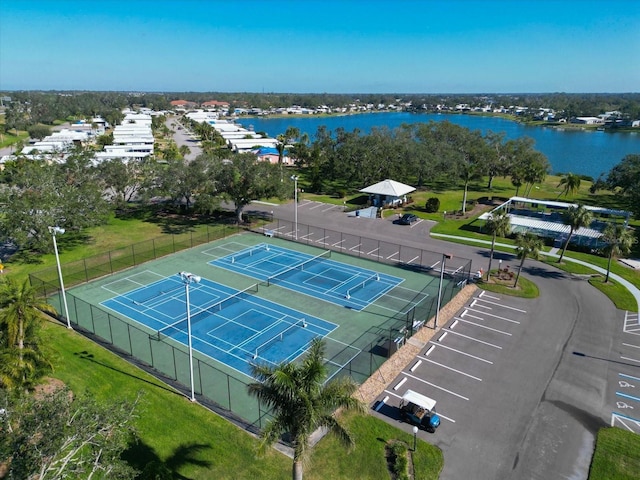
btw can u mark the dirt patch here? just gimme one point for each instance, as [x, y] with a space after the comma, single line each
[48, 387]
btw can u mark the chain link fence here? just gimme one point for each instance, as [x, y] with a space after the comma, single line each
[222, 390]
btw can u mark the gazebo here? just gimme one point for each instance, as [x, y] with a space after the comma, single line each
[387, 192]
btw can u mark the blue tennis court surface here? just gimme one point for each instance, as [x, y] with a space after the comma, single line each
[234, 327]
[317, 276]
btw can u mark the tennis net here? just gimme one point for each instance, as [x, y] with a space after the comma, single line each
[248, 252]
[279, 337]
[205, 313]
[360, 285]
[158, 294]
[280, 276]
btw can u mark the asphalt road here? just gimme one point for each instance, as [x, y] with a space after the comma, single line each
[535, 412]
[182, 137]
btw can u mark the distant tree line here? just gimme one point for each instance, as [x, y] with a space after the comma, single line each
[31, 107]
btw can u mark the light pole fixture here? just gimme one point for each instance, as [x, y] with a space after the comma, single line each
[189, 278]
[53, 231]
[415, 438]
[445, 256]
[295, 199]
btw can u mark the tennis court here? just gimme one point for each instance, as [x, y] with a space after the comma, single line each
[315, 275]
[237, 319]
[232, 326]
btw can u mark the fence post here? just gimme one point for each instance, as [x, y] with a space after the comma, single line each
[133, 255]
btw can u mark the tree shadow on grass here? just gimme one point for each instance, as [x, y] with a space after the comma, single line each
[85, 355]
[145, 459]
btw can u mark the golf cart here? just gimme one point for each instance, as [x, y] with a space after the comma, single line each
[419, 410]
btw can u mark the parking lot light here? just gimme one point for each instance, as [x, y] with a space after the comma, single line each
[53, 231]
[445, 256]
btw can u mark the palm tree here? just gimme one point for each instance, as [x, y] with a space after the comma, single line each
[498, 225]
[302, 402]
[20, 320]
[576, 218]
[570, 183]
[619, 240]
[528, 245]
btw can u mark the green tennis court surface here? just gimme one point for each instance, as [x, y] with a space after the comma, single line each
[336, 282]
[129, 308]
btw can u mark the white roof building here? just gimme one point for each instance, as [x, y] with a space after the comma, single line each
[388, 192]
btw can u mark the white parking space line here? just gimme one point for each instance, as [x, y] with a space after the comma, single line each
[495, 316]
[337, 244]
[632, 346]
[414, 259]
[501, 305]
[465, 353]
[400, 383]
[435, 264]
[416, 365]
[631, 359]
[438, 387]
[318, 205]
[452, 369]
[354, 247]
[306, 237]
[332, 207]
[373, 251]
[619, 418]
[322, 239]
[484, 294]
[629, 376]
[391, 256]
[483, 326]
[475, 339]
[382, 402]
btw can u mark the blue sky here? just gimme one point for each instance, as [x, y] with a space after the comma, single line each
[444, 46]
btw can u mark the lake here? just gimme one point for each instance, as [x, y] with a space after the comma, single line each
[577, 151]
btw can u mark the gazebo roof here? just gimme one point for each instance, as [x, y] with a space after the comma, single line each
[389, 187]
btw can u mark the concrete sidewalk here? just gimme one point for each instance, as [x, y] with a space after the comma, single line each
[628, 285]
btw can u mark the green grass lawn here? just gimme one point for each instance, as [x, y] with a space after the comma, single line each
[198, 444]
[617, 455]
[526, 288]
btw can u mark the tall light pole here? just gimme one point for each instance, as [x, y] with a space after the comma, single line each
[444, 262]
[295, 199]
[53, 231]
[189, 278]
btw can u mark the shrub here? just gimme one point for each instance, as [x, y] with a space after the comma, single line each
[432, 205]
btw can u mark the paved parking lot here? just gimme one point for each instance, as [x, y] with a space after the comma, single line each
[530, 408]
[465, 369]
[624, 376]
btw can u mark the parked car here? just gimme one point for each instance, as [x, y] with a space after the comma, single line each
[407, 219]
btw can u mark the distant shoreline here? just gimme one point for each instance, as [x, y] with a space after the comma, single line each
[506, 116]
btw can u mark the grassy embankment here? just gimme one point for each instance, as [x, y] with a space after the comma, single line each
[185, 437]
[616, 456]
[468, 227]
[198, 444]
